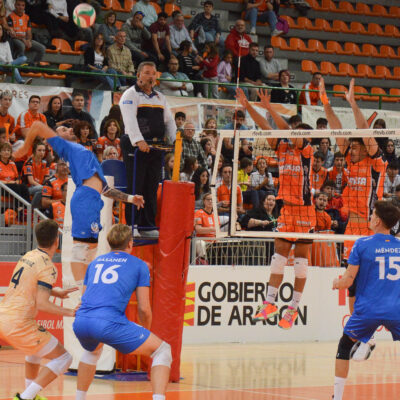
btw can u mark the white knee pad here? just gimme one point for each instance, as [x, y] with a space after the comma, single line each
[61, 364]
[82, 253]
[300, 267]
[162, 356]
[278, 264]
[33, 359]
[91, 357]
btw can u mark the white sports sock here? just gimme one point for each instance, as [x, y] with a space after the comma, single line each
[31, 391]
[158, 397]
[296, 299]
[338, 389]
[271, 294]
[28, 382]
[80, 395]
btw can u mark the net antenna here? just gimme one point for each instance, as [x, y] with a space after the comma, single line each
[251, 135]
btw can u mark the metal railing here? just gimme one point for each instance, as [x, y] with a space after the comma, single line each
[257, 251]
[202, 82]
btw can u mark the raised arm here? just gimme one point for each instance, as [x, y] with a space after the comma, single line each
[361, 122]
[265, 103]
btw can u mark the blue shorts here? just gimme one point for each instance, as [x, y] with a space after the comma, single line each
[123, 336]
[362, 329]
[86, 205]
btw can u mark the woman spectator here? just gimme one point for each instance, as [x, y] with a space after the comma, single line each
[111, 138]
[389, 152]
[96, 61]
[84, 132]
[114, 113]
[7, 58]
[261, 180]
[225, 73]
[201, 180]
[168, 167]
[284, 96]
[110, 153]
[35, 170]
[54, 114]
[218, 179]
[210, 132]
[188, 65]
[189, 166]
[206, 146]
[9, 172]
[108, 28]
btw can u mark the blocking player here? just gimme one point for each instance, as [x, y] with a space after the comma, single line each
[109, 283]
[86, 202]
[374, 263]
[29, 291]
[297, 214]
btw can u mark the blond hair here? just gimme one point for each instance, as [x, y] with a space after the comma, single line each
[119, 236]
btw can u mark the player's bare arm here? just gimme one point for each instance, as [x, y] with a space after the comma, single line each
[63, 293]
[117, 195]
[347, 279]
[265, 102]
[144, 308]
[43, 303]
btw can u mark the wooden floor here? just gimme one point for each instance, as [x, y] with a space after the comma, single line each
[239, 372]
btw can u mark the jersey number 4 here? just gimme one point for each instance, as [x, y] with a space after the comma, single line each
[16, 277]
[393, 264]
[109, 275]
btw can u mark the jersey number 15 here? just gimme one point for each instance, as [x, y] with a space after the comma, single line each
[108, 276]
[393, 264]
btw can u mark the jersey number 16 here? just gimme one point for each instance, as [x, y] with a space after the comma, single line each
[109, 275]
[393, 264]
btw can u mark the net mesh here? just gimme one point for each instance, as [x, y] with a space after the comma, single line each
[325, 182]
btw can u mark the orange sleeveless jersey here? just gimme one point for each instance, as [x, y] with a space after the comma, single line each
[21, 25]
[103, 142]
[52, 187]
[324, 221]
[38, 171]
[201, 217]
[340, 178]
[318, 178]
[7, 119]
[365, 184]
[294, 173]
[58, 213]
[8, 172]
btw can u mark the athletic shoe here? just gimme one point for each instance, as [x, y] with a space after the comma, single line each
[276, 32]
[40, 397]
[28, 81]
[363, 350]
[265, 311]
[288, 319]
[253, 31]
[152, 234]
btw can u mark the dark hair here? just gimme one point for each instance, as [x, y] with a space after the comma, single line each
[50, 105]
[213, 49]
[188, 164]
[283, 71]
[320, 155]
[37, 142]
[338, 154]
[318, 194]
[46, 232]
[3, 36]
[239, 114]
[108, 15]
[77, 94]
[268, 46]
[197, 182]
[295, 119]
[385, 147]
[357, 140]
[180, 114]
[103, 46]
[224, 166]
[253, 44]
[328, 139]
[64, 185]
[397, 188]
[227, 52]
[203, 142]
[108, 123]
[322, 120]
[328, 183]
[208, 3]
[380, 122]
[34, 96]
[316, 73]
[78, 125]
[393, 165]
[245, 162]
[162, 14]
[185, 45]
[387, 212]
[304, 126]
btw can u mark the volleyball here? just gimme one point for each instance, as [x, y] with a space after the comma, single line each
[84, 15]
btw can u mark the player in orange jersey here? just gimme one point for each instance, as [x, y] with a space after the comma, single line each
[338, 173]
[297, 215]
[29, 292]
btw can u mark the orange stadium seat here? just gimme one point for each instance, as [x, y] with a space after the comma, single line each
[394, 12]
[352, 49]
[313, 4]
[55, 42]
[359, 89]
[375, 29]
[386, 51]
[315, 45]
[31, 74]
[362, 9]
[329, 68]
[346, 7]
[327, 5]
[305, 23]
[291, 22]
[379, 11]
[340, 26]
[369, 50]
[65, 48]
[156, 7]
[391, 31]
[365, 71]
[349, 70]
[374, 90]
[309, 66]
[107, 5]
[279, 42]
[393, 92]
[383, 72]
[170, 8]
[357, 27]
[321, 25]
[296, 44]
[339, 88]
[334, 46]
[396, 73]
[78, 44]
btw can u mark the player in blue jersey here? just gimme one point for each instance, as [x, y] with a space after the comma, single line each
[86, 203]
[375, 264]
[109, 283]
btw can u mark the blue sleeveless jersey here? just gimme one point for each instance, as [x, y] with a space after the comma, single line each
[110, 281]
[83, 163]
[378, 278]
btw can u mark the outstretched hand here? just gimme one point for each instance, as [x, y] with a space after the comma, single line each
[265, 98]
[349, 95]
[241, 97]
[138, 201]
[64, 293]
[322, 92]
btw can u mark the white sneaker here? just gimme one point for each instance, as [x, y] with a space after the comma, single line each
[253, 31]
[152, 234]
[136, 233]
[28, 81]
[199, 95]
[363, 350]
[276, 32]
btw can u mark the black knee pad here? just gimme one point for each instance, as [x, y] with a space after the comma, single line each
[344, 348]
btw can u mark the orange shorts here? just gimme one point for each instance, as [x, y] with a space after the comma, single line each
[25, 335]
[360, 228]
[297, 219]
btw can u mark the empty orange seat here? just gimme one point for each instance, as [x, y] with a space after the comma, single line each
[375, 29]
[65, 48]
[357, 27]
[393, 92]
[359, 90]
[296, 44]
[362, 9]
[374, 90]
[369, 50]
[394, 12]
[379, 11]
[352, 48]
[329, 68]
[383, 72]
[156, 7]
[315, 45]
[291, 22]
[334, 46]
[55, 42]
[396, 73]
[340, 26]
[127, 8]
[118, 24]
[346, 7]
[386, 51]
[170, 8]
[339, 88]
[349, 70]
[107, 4]
[391, 31]
[78, 44]
[365, 71]
[279, 42]
[328, 5]
[322, 25]
[304, 23]
[309, 66]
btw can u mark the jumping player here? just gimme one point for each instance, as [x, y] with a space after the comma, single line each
[297, 214]
[374, 263]
[109, 283]
[86, 202]
[29, 291]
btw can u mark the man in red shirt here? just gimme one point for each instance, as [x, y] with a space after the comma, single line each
[238, 39]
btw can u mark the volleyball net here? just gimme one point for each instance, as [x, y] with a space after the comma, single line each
[294, 160]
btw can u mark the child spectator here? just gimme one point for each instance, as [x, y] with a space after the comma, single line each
[189, 66]
[338, 173]
[210, 65]
[324, 221]
[5, 117]
[392, 179]
[83, 131]
[206, 145]
[51, 191]
[210, 132]
[201, 180]
[225, 73]
[180, 119]
[319, 173]
[168, 167]
[111, 138]
[334, 207]
[56, 210]
[189, 166]
[324, 148]
[261, 180]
